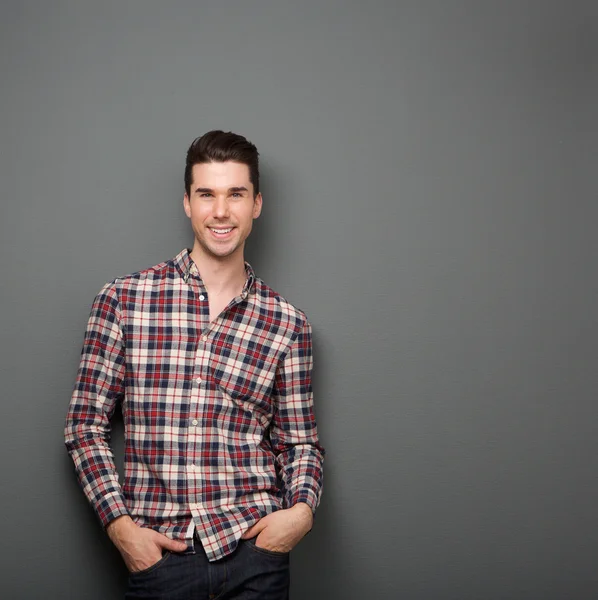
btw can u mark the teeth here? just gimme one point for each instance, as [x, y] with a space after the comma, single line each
[221, 230]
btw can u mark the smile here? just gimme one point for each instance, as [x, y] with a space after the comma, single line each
[220, 232]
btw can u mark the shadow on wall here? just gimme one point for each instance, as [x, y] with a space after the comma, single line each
[320, 562]
[97, 557]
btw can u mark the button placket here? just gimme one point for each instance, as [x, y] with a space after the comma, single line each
[195, 432]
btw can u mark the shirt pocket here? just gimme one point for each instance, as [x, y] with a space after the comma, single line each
[246, 378]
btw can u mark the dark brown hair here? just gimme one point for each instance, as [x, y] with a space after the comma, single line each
[222, 146]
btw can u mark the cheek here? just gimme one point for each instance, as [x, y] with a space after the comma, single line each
[199, 215]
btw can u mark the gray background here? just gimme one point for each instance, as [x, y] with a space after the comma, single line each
[429, 202]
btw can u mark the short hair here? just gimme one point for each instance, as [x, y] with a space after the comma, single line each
[222, 146]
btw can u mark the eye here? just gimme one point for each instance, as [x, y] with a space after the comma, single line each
[236, 195]
[205, 195]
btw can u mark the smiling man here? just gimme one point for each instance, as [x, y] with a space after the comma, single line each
[212, 368]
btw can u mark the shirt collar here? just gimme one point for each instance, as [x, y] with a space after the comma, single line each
[185, 266]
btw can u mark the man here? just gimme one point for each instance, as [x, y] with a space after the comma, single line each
[223, 467]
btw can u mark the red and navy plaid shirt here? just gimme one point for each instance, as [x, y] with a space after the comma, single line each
[219, 420]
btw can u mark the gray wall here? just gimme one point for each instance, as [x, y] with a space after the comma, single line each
[429, 202]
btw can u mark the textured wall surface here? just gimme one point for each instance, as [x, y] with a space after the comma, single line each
[429, 202]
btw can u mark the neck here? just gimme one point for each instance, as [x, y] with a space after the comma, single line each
[226, 274]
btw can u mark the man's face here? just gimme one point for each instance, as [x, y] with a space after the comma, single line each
[221, 207]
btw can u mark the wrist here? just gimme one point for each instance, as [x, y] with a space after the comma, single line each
[303, 507]
[304, 512]
[118, 528]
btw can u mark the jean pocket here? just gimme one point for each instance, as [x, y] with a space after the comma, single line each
[153, 567]
[253, 545]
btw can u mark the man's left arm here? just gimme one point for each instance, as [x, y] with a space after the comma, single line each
[293, 432]
[294, 440]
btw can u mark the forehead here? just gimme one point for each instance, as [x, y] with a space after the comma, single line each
[221, 175]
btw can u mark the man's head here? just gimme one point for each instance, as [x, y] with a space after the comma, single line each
[222, 195]
[222, 146]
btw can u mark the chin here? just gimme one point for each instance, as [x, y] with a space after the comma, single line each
[222, 253]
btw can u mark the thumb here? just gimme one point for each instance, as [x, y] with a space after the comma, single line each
[254, 530]
[173, 545]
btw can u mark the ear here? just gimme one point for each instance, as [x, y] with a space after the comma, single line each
[187, 205]
[257, 206]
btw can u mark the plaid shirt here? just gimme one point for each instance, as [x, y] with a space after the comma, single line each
[219, 420]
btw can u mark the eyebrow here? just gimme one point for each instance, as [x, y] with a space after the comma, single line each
[202, 190]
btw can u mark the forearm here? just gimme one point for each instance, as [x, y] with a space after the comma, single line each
[94, 464]
[301, 471]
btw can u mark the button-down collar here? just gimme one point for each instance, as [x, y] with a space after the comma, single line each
[186, 266]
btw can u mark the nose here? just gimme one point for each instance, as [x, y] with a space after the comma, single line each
[221, 208]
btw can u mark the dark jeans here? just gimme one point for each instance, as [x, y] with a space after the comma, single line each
[249, 573]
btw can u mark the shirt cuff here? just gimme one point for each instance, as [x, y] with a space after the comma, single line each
[305, 495]
[111, 507]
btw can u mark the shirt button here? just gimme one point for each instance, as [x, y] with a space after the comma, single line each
[194, 422]
[202, 297]
[198, 380]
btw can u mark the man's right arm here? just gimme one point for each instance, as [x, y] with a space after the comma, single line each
[98, 388]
